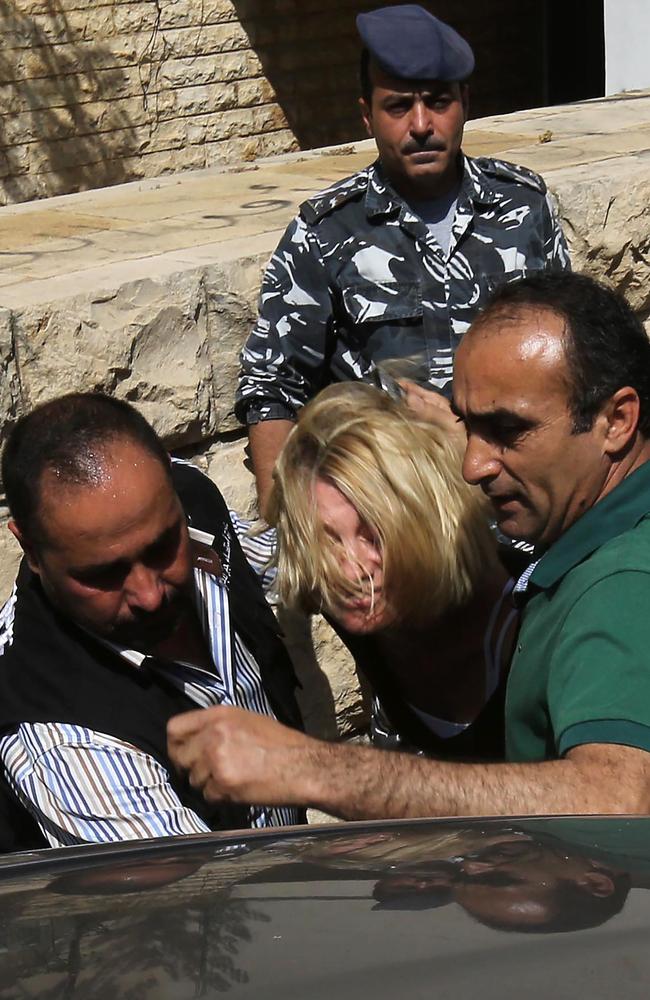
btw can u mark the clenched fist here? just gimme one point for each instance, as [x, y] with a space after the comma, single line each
[238, 756]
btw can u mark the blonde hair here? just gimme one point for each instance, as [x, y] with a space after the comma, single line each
[403, 477]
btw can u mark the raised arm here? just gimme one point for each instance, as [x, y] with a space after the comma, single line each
[236, 756]
[266, 440]
[284, 359]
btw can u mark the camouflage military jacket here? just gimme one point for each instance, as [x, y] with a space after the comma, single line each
[358, 278]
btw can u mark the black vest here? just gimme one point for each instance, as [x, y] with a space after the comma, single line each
[53, 671]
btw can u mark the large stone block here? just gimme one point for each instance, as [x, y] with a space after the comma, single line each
[20, 185]
[145, 342]
[605, 209]
[200, 100]
[76, 27]
[185, 13]
[248, 149]
[11, 397]
[95, 152]
[231, 293]
[201, 70]
[10, 554]
[121, 51]
[66, 85]
[227, 464]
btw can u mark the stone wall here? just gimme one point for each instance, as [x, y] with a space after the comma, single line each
[97, 92]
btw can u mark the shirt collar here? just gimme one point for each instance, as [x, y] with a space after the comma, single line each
[521, 585]
[616, 513]
[382, 199]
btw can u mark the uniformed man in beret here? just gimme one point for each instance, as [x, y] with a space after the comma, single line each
[396, 260]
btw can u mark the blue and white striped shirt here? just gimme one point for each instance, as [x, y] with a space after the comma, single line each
[84, 786]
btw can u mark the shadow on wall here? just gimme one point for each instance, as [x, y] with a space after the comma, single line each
[310, 55]
[49, 123]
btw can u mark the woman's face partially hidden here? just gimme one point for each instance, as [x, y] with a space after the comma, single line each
[360, 560]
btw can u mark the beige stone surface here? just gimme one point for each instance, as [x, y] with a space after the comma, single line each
[9, 555]
[10, 386]
[147, 290]
[227, 464]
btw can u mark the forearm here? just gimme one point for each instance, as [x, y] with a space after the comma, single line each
[266, 439]
[244, 757]
[364, 783]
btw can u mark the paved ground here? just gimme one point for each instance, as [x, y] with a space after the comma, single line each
[52, 249]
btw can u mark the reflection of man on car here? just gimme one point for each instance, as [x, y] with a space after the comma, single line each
[135, 876]
[518, 881]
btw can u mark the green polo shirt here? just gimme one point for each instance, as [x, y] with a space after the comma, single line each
[581, 670]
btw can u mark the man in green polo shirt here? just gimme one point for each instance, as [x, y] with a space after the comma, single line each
[557, 440]
[584, 647]
[552, 384]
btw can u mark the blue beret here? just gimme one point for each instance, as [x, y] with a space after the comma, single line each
[412, 44]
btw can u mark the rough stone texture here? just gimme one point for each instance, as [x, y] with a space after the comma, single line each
[147, 291]
[10, 388]
[106, 91]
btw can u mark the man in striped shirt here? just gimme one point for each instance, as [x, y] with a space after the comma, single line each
[134, 601]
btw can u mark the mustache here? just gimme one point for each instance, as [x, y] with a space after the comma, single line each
[429, 145]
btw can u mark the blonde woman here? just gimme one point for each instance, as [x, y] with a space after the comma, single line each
[377, 529]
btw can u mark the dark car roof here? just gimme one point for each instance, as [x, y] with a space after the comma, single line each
[448, 908]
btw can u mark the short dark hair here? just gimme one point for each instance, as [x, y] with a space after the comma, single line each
[67, 435]
[606, 345]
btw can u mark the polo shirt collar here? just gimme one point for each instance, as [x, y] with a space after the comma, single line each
[617, 512]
